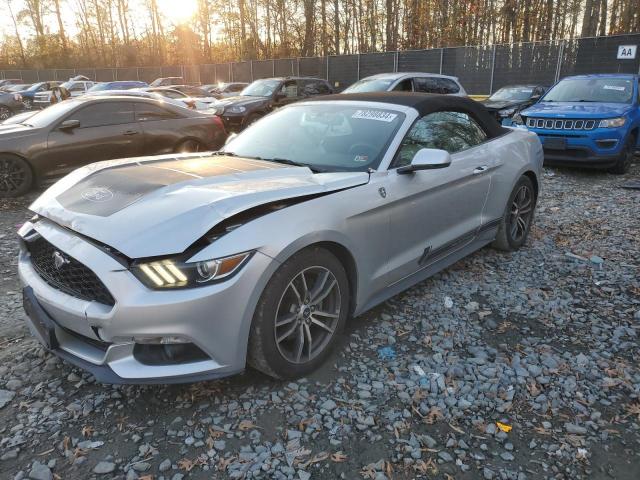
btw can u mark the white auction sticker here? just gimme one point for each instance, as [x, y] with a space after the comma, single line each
[614, 87]
[375, 115]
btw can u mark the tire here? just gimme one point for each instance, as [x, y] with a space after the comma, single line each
[623, 164]
[517, 218]
[5, 113]
[189, 146]
[251, 119]
[283, 350]
[16, 176]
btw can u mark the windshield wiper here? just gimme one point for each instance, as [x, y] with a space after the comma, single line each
[286, 161]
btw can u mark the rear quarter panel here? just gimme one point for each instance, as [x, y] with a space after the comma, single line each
[515, 154]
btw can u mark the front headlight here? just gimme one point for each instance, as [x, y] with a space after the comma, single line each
[170, 273]
[507, 112]
[612, 122]
[17, 97]
[235, 109]
[517, 119]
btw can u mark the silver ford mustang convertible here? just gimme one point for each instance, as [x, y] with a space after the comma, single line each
[187, 267]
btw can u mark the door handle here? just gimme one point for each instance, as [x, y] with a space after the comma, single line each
[480, 170]
[130, 132]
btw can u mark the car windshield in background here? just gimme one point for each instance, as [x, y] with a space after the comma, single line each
[51, 114]
[606, 90]
[516, 94]
[261, 88]
[326, 136]
[370, 85]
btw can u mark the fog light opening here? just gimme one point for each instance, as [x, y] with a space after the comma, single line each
[166, 353]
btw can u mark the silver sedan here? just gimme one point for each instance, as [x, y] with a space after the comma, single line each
[181, 268]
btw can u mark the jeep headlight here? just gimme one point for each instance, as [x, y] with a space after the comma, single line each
[171, 273]
[235, 109]
[507, 112]
[517, 119]
[612, 122]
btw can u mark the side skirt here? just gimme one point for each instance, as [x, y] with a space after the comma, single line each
[487, 237]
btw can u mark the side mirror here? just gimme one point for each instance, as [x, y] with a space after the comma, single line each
[69, 125]
[427, 159]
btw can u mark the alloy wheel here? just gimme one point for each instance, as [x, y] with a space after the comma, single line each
[521, 213]
[12, 175]
[189, 146]
[4, 113]
[307, 315]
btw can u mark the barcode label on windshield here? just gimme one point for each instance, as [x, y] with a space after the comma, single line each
[614, 87]
[375, 115]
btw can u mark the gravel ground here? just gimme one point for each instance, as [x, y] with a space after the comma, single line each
[505, 366]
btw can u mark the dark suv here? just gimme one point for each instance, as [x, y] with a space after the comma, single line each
[262, 96]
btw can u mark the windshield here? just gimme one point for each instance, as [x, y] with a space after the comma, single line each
[325, 136]
[606, 90]
[515, 94]
[51, 114]
[261, 88]
[34, 87]
[370, 85]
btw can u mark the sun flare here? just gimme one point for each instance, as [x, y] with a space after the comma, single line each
[178, 11]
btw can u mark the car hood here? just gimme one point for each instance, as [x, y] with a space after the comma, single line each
[13, 131]
[155, 206]
[577, 109]
[242, 100]
[500, 104]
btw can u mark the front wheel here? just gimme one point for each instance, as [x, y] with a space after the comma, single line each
[518, 216]
[300, 315]
[623, 164]
[5, 113]
[28, 103]
[16, 177]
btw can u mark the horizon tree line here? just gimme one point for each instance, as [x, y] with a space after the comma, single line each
[121, 33]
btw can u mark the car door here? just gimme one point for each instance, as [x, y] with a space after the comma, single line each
[107, 130]
[437, 212]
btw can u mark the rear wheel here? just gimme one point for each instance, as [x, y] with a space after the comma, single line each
[623, 164]
[16, 177]
[518, 216]
[300, 315]
[5, 113]
[189, 146]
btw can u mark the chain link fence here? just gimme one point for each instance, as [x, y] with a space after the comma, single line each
[481, 69]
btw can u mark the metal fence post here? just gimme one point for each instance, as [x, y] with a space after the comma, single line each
[441, 59]
[326, 59]
[396, 60]
[230, 72]
[138, 73]
[298, 66]
[358, 67]
[559, 65]
[493, 68]
[273, 67]
[251, 69]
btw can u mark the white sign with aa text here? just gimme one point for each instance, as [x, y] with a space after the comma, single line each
[627, 52]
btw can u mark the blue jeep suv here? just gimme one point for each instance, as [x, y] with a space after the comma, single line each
[588, 120]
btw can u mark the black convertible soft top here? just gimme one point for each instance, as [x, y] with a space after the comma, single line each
[426, 103]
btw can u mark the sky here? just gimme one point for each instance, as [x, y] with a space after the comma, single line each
[174, 11]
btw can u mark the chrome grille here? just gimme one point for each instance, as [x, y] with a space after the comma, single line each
[562, 124]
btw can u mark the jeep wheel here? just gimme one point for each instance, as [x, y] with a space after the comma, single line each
[623, 163]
